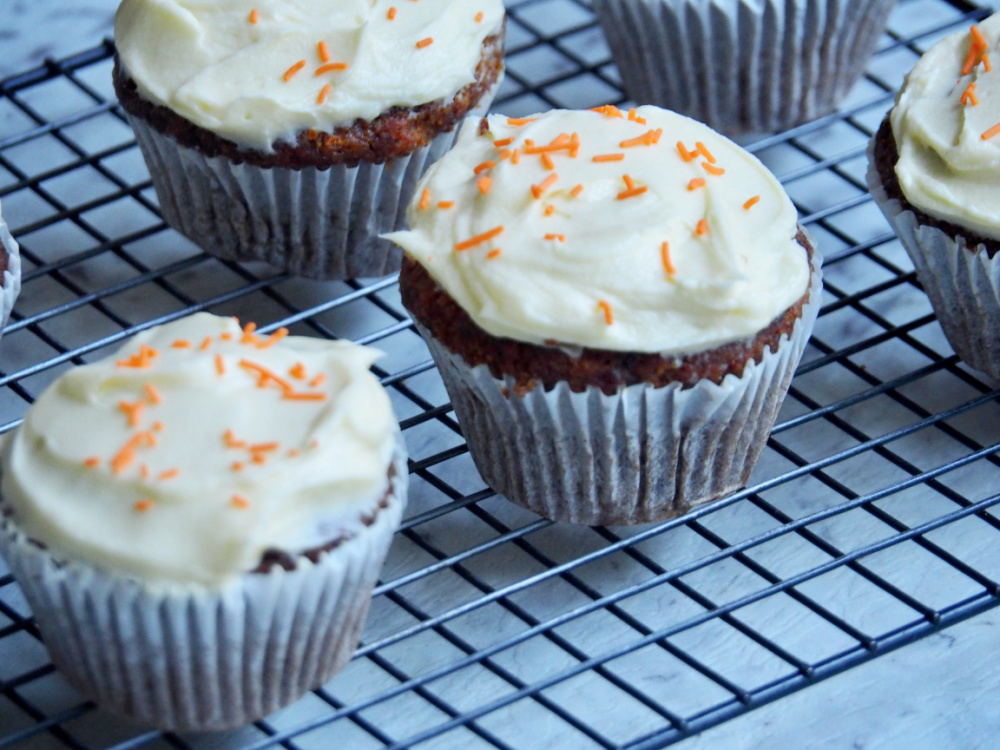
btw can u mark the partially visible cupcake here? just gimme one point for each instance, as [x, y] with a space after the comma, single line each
[934, 170]
[742, 66]
[198, 521]
[294, 132]
[616, 304]
[10, 273]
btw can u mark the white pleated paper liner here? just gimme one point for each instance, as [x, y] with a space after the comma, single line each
[194, 658]
[961, 282]
[641, 454]
[10, 282]
[742, 66]
[318, 223]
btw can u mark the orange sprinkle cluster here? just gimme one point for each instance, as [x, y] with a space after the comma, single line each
[142, 360]
[266, 376]
[977, 52]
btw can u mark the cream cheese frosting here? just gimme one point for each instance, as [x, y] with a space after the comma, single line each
[946, 167]
[198, 447]
[641, 232]
[259, 72]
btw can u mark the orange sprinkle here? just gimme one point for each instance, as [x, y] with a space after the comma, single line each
[265, 375]
[259, 459]
[493, 253]
[608, 109]
[91, 462]
[144, 471]
[547, 161]
[969, 95]
[537, 190]
[425, 199]
[629, 182]
[518, 121]
[296, 396]
[631, 193]
[264, 447]
[237, 466]
[484, 184]
[292, 453]
[323, 92]
[330, 67]
[702, 227]
[576, 191]
[297, 371]
[685, 154]
[248, 337]
[696, 183]
[665, 258]
[986, 63]
[168, 474]
[206, 342]
[254, 16]
[705, 152]
[220, 365]
[504, 153]
[608, 157]
[132, 411]
[479, 17]
[976, 50]
[391, 14]
[448, 204]
[124, 458]
[977, 36]
[549, 210]
[323, 52]
[503, 142]
[154, 395]
[157, 426]
[293, 70]
[515, 156]
[227, 336]
[484, 166]
[479, 238]
[559, 237]
[143, 505]
[231, 442]
[751, 202]
[317, 381]
[238, 501]
[141, 360]
[273, 339]
[991, 132]
[181, 344]
[646, 139]
[608, 317]
[712, 169]
[425, 42]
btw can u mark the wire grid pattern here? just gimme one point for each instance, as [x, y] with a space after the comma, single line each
[869, 522]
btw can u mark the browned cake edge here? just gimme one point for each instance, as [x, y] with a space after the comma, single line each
[530, 364]
[885, 155]
[396, 132]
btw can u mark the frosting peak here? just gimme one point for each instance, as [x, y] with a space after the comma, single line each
[260, 72]
[648, 232]
[198, 447]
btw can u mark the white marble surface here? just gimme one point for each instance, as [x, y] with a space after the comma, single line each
[937, 693]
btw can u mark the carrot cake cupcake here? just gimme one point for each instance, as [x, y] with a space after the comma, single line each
[616, 301]
[198, 521]
[294, 132]
[934, 170]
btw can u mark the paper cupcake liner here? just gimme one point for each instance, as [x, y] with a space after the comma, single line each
[742, 65]
[192, 658]
[961, 281]
[641, 454]
[10, 283]
[319, 223]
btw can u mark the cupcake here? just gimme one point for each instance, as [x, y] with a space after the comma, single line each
[294, 133]
[10, 273]
[616, 304]
[198, 521]
[934, 170]
[742, 66]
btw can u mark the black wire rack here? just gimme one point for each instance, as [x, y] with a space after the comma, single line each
[870, 521]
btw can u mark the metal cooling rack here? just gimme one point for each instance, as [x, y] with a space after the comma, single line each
[869, 523]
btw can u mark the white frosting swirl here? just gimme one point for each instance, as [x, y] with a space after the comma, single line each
[945, 166]
[192, 501]
[205, 60]
[600, 279]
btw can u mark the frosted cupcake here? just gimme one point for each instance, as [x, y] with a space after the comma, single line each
[294, 132]
[198, 521]
[742, 66]
[10, 273]
[934, 170]
[616, 304]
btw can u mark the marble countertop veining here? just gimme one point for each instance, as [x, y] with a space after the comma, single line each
[939, 692]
